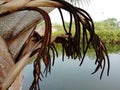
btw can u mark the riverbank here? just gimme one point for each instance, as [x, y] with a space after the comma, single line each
[107, 36]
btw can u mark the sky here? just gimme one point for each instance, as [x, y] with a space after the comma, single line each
[98, 9]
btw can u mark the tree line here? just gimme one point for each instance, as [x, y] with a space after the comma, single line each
[108, 24]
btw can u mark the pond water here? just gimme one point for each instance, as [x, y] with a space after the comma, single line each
[68, 75]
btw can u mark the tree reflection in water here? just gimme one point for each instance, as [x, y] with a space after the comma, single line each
[68, 75]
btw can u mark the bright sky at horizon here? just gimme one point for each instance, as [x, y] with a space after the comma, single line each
[98, 10]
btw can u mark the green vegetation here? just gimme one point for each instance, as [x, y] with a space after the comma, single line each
[108, 24]
[60, 29]
[109, 36]
[108, 30]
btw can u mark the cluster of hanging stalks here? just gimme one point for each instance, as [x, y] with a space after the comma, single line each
[73, 45]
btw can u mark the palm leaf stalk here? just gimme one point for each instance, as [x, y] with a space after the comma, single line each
[73, 45]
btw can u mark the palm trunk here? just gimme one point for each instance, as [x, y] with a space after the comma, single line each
[15, 29]
[17, 23]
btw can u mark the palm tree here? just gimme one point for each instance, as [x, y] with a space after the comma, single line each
[24, 43]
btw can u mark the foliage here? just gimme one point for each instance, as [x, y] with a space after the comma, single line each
[108, 24]
[109, 36]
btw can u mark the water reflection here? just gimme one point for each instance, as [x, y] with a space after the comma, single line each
[68, 75]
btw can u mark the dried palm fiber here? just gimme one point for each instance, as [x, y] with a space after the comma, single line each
[74, 45]
[5, 60]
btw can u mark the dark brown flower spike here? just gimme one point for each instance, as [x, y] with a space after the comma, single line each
[83, 24]
[101, 52]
